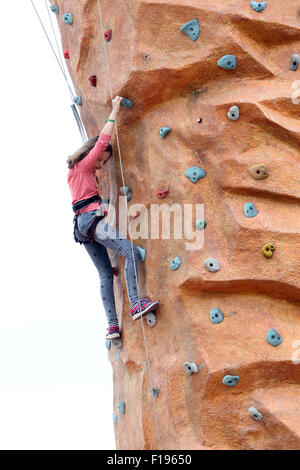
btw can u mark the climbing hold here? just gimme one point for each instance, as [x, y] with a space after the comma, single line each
[268, 250]
[227, 62]
[107, 344]
[190, 368]
[93, 80]
[67, 18]
[230, 380]
[154, 392]
[107, 35]
[151, 318]
[200, 224]
[121, 407]
[67, 54]
[126, 103]
[255, 413]
[117, 355]
[162, 194]
[164, 131]
[115, 271]
[250, 210]
[195, 173]
[295, 61]
[77, 100]
[191, 29]
[126, 191]
[117, 342]
[261, 6]
[115, 418]
[199, 120]
[273, 337]
[234, 113]
[216, 315]
[259, 172]
[54, 8]
[142, 253]
[175, 263]
[212, 265]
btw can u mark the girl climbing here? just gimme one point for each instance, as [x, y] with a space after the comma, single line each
[92, 230]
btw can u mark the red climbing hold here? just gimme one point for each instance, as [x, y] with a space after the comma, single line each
[115, 271]
[67, 54]
[162, 194]
[107, 35]
[93, 80]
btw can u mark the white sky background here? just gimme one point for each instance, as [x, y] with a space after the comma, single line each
[55, 377]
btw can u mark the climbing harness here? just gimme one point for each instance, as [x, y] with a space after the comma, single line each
[100, 214]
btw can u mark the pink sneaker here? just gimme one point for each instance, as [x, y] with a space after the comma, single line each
[112, 332]
[146, 306]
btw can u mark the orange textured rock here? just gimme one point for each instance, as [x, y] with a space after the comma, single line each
[173, 82]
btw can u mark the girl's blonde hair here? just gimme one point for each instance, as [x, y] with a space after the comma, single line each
[84, 150]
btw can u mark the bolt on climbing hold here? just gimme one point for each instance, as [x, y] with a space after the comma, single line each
[255, 413]
[234, 113]
[121, 407]
[151, 318]
[126, 103]
[273, 337]
[107, 344]
[67, 54]
[212, 265]
[200, 224]
[164, 131]
[67, 18]
[115, 418]
[190, 368]
[162, 194]
[154, 392]
[108, 35]
[175, 263]
[117, 355]
[227, 62]
[250, 210]
[199, 120]
[259, 172]
[126, 191]
[117, 342]
[195, 173]
[77, 100]
[268, 250]
[216, 315]
[230, 380]
[191, 29]
[142, 253]
[261, 6]
[93, 80]
[54, 8]
[295, 61]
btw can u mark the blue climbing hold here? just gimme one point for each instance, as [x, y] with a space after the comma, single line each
[216, 315]
[230, 380]
[142, 253]
[77, 100]
[115, 418]
[54, 8]
[273, 337]
[121, 407]
[234, 113]
[191, 29]
[107, 344]
[259, 6]
[164, 131]
[117, 355]
[195, 173]
[227, 62]
[295, 61]
[175, 263]
[155, 392]
[250, 210]
[212, 265]
[126, 103]
[67, 18]
[200, 224]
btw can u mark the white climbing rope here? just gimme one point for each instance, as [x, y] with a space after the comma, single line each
[129, 228]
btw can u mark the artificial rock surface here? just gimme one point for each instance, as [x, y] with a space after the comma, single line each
[173, 81]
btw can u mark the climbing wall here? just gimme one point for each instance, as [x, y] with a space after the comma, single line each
[215, 121]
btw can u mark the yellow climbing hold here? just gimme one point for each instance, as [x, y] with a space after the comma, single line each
[268, 250]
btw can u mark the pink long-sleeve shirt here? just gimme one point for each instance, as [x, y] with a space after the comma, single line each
[81, 178]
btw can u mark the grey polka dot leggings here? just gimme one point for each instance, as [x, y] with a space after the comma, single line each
[107, 237]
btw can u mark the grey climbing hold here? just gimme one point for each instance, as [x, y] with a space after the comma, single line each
[54, 8]
[227, 62]
[230, 380]
[255, 413]
[151, 318]
[115, 418]
[142, 253]
[175, 263]
[107, 344]
[77, 100]
[126, 103]
[295, 61]
[191, 29]
[126, 191]
[117, 342]
[216, 315]
[234, 113]
[259, 171]
[121, 407]
[200, 224]
[67, 18]
[273, 337]
[195, 173]
[259, 6]
[212, 265]
[164, 131]
[154, 392]
[250, 210]
[190, 368]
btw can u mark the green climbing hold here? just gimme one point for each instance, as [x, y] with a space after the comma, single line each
[175, 263]
[273, 337]
[67, 18]
[230, 380]
[164, 131]
[121, 407]
[259, 6]
[227, 62]
[142, 253]
[191, 29]
[200, 224]
[107, 344]
[77, 100]
[126, 103]
[195, 173]
[54, 8]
